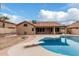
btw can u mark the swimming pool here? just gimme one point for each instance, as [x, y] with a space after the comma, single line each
[71, 47]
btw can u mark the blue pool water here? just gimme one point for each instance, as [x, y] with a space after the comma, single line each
[70, 47]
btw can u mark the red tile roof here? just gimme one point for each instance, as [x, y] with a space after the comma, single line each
[47, 24]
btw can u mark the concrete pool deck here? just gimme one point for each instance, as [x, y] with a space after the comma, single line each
[19, 50]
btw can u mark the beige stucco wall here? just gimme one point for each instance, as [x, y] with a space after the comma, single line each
[9, 25]
[28, 29]
[7, 30]
[75, 31]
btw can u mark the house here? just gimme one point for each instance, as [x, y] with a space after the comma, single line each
[28, 27]
[9, 28]
[7, 24]
[73, 28]
[40, 28]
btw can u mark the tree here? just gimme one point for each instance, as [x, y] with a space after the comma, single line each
[3, 19]
[34, 21]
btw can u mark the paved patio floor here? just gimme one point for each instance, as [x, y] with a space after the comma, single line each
[19, 50]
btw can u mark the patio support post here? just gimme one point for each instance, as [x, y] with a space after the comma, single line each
[65, 30]
[54, 30]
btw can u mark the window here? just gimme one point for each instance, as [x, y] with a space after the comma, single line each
[51, 29]
[43, 29]
[57, 29]
[37, 29]
[25, 24]
[32, 29]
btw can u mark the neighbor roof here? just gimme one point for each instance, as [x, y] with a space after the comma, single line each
[8, 22]
[74, 25]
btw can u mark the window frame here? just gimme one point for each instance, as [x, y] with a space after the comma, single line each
[25, 25]
[32, 29]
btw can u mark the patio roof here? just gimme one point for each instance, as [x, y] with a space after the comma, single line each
[46, 24]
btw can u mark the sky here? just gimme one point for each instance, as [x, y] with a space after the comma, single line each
[65, 13]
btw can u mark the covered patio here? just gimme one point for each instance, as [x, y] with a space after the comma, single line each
[47, 30]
